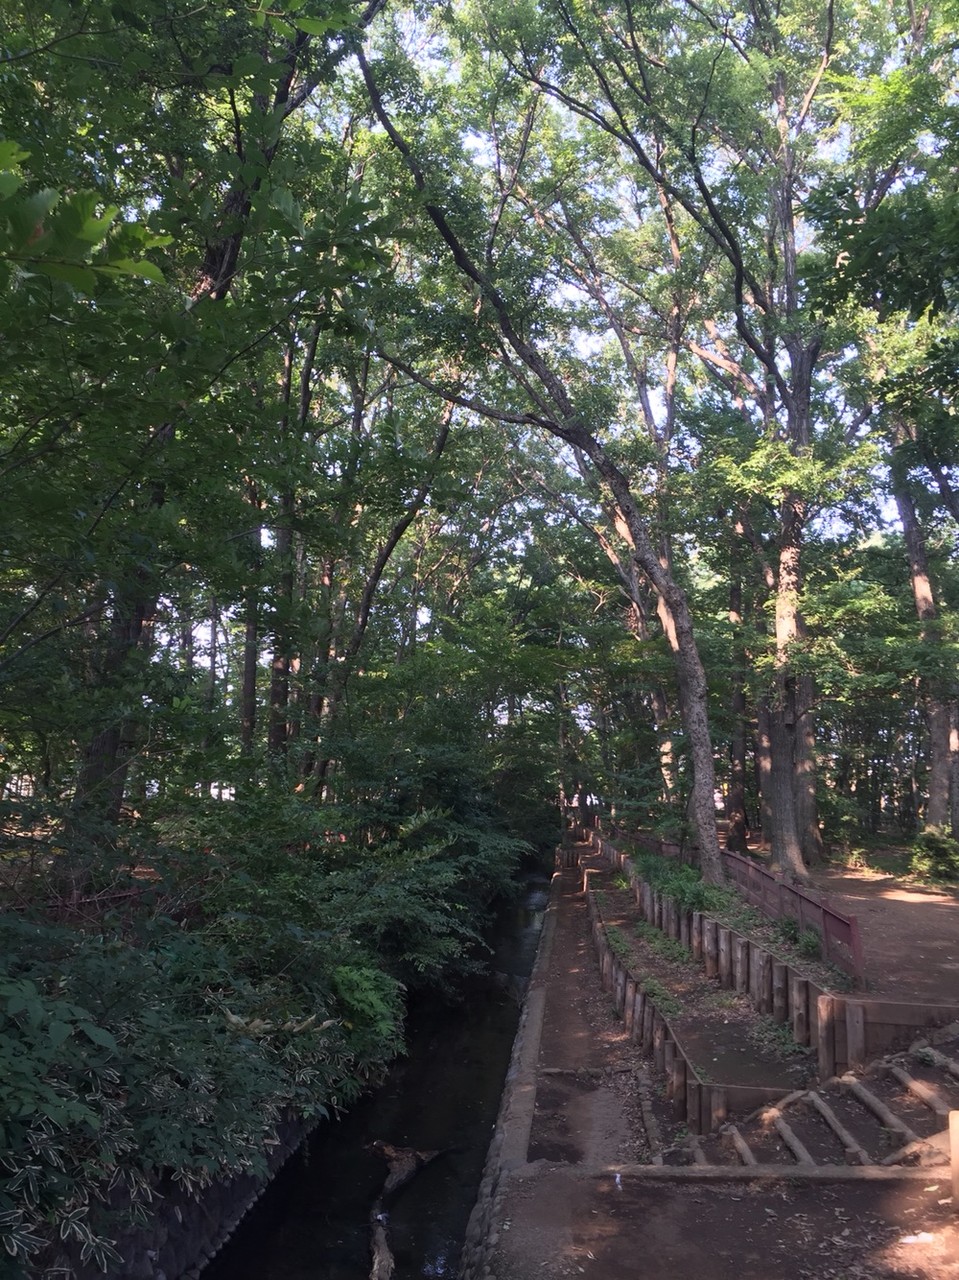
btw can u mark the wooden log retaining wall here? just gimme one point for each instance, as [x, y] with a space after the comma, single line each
[846, 1031]
[702, 1105]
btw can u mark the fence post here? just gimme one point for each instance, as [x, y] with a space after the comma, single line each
[826, 1015]
[679, 1086]
[780, 992]
[725, 957]
[855, 1033]
[711, 947]
[799, 1007]
[741, 965]
[693, 1104]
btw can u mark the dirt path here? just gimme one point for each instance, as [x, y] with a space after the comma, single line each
[575, 1208]
[910, 935]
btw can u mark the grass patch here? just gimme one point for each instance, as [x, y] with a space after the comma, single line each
[664, 1000]
[668, 948]
[776, 1038]
[618, 942]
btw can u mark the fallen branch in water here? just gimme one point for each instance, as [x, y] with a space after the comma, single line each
[403, 1163]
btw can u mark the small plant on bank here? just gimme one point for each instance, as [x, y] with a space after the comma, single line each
[661, 996]
[935, 856]
[618, 942]
[668, 948]
[682, 883]
[721, 999]
[775, 1038]
[806, 942]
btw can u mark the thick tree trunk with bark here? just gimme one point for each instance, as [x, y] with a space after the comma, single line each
[736, 797]
[807, 811]
[764, 767]
[939, 706]
[784, 710]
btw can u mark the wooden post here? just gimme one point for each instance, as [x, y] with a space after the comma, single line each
[718, 1107]
[799, 1006]
[780, 992]
[696, 935]
[954, 1156]
[639, 1010]
[855, 1033]
[685, 929]
[741, 964]
[629, 1005]
[679, 1086]
[619, 986]
[725, 957]
[648, 1014]
[826, 1014]
[711, 948]
[659, 1043]
[669, 1057]
[693, 1103]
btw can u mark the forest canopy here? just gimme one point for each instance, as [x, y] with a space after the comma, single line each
[415, 417]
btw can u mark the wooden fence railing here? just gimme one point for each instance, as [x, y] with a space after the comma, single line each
[839, 933]
[841, 943]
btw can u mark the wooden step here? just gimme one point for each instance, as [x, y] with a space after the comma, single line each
[743, 1149]
[788, 1135]
[878, 1108]
[919, 1089]
[850, 1145]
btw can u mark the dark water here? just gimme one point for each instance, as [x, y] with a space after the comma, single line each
[312, 1224]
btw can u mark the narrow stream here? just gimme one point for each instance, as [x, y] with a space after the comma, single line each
[444, 1094]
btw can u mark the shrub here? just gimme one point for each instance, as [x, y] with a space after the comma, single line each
[935, 856]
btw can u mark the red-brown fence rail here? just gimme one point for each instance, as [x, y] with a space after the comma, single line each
[839, 933]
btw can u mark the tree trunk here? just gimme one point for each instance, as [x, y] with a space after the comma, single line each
[807, 813]
[98, 797]
[787, 852]
[278, 733]
[764, 766]
[736, 796]
[938, 809]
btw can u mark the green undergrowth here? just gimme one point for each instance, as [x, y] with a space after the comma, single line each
[685, 886]
[935, 856]
[661, 996]
[776, 1039]
[669, 948]
[683, 883]
[237, 988]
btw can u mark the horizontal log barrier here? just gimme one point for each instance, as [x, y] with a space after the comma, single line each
[845, 1030]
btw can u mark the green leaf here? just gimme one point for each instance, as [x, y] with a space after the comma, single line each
[83, 279]
[316, 26]
[145, 269]
[59, 1032]
[99, 1036]
[9, 183]
[12, 154]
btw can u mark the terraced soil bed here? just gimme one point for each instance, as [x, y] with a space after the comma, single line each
[727, 1040]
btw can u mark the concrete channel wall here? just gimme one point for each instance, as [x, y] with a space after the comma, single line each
[845, 1030]
[184, 1231]
[511, 1133]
